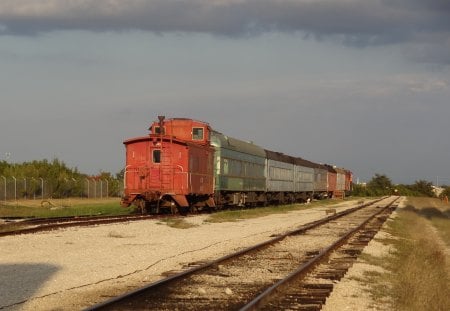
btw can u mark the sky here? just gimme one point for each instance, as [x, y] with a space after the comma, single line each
[360, 84]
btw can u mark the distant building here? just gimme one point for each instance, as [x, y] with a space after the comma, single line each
[438, 190]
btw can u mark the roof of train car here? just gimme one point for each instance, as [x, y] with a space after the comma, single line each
[278, 156]
[165, 138]
[307, 163]
[223, 141]
[340, 170]
[329, 168]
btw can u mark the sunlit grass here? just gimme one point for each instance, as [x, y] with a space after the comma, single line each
[418, 276]
[63, 208]
[443, 227]
[178, 223]
[249, 213]
[420, 280]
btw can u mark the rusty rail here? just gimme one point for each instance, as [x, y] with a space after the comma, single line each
[256, 303]
[203, 266]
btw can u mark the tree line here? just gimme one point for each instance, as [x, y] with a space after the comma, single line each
[61, 179]
[381, 185]
[64, 181]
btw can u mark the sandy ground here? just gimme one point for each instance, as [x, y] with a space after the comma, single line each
[77, 267]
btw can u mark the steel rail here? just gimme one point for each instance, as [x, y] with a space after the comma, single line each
[216, 262]
[69, 222]
[257, 303]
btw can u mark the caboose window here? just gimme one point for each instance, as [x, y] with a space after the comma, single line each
[158, 130]
[197, 133]
[156, 156]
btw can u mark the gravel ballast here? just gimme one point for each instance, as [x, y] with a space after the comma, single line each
[353, 295]
[75, 268]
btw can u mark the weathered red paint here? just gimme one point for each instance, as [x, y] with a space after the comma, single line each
[332, 180]
[170, 167]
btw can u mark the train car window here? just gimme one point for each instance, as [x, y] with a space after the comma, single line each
[156, 156]
[197, 133]
[225, 166]
[157, 130]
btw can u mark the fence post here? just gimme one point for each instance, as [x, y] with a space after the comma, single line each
[74, 187]
[42, 188]
[4, 180]
[25, 186]
[15, 188]
[87, 179]
[95, 189]
[34, 188]
[107, 188]
[101, 189]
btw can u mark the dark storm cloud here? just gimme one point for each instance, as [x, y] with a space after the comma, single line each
[353, 22]
[364, 18]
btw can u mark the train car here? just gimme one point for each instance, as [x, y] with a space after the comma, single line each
[340, 179]
[183, 164]
[280, 173]
[171, 168]
[348, 182]
[239, 171]
[331, 181]
[320, 181]
[304, 180]
[340, 182]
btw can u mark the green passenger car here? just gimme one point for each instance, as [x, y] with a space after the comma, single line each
[239, 170]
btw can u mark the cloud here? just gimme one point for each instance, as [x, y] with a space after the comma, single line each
[353, 22]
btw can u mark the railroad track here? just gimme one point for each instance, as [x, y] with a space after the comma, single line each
[26, 226]
[295, 270]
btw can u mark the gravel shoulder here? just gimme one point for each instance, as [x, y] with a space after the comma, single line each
[77, 267]
[350, 293]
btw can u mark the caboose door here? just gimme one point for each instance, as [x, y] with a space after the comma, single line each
[161, 167]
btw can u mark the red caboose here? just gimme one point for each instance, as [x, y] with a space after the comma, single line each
[332, 181]
[348, 182]
[170, 168]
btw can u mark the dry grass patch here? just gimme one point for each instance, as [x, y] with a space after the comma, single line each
[64, 207]
[178, 223]
[418, 277]
[117, 235]
[421, 279]
[443, 227]
[250, 213]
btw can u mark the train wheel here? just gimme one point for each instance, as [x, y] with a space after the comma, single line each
[141, 206]
[174, 209]
[192, 209]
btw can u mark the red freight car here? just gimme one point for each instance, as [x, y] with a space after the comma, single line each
[348, 182]
[332, 181]
[170, 168]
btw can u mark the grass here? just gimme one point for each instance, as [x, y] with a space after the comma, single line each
[249, 213]
[110, 206]
[63, 208]
[422, 281]
[178, 223]
[443, 227]
[117, 235]
[418, 276]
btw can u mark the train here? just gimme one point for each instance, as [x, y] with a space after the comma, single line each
[184, 165]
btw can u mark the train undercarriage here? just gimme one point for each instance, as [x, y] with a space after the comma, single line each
[157, 203]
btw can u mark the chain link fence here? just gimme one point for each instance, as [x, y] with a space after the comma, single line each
[12, 188]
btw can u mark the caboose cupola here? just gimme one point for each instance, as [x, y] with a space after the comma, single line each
[193, 131]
